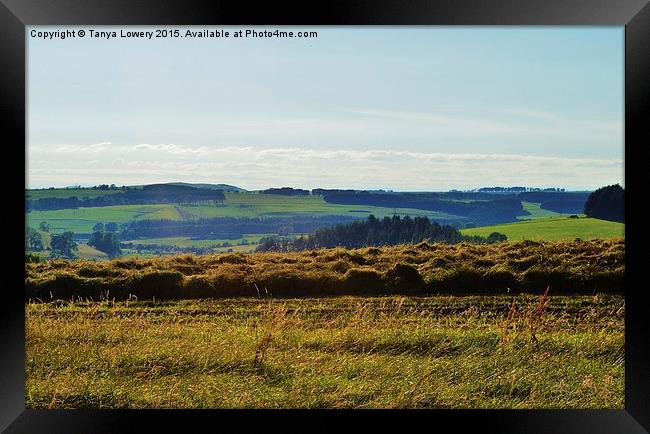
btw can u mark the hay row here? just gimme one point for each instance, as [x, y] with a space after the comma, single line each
[566, 267]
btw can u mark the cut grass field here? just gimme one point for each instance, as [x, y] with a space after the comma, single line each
[555, 228]
[344, 352]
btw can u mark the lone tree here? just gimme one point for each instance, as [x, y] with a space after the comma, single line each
[63, 245]
[607, 203]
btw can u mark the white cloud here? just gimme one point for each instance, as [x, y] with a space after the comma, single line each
[252, 167]
[169, 148]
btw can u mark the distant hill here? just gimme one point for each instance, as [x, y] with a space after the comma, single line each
[225, 187]
[148, 194]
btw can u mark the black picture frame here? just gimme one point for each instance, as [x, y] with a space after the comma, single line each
[634, 15]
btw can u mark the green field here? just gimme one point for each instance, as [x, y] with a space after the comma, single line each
[61, 193]
[188, 242]
[344, 352]
[244, 204]
[260, 205]
[536, 212]
[82, 220]
[554, 228]
[128, 253]
[539, 224]
[236, 205]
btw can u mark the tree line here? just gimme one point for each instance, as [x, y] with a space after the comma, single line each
[376, 232]
[149, 194]
[483, 212]
[286, 191]
[607, 203]
[206, 228]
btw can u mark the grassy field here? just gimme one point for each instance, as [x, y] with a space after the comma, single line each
[575, 266]
[188, 242]
[344, 352]
[248, 204]
[266, 205]
[82, 220]
[68, 192]
[252, 241]
[133, 253]
[537, 212]
[237, 205]
[555, 228]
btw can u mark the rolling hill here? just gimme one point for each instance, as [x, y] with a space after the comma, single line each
[554, 228]
[224, 187]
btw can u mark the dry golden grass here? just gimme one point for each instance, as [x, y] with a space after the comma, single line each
[529, 266]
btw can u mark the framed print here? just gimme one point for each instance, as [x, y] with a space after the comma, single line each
[255, 215]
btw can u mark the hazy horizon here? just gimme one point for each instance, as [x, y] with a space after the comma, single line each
[402, 108]
[433, 190]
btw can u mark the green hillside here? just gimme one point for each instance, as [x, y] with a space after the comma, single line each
[536, 211]
[168, 202]
[224, 187]
[554, 228]
[81, 220]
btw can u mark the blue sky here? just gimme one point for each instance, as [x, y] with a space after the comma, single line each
[403, 108]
